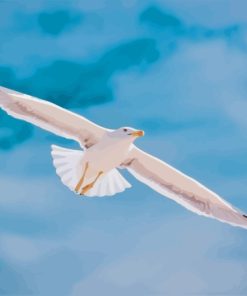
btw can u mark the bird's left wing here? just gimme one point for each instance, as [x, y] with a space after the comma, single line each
[184, 190]
[50, 117]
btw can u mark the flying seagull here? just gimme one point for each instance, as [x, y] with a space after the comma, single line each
[93, 170]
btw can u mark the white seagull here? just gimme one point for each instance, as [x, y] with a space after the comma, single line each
[93, 170]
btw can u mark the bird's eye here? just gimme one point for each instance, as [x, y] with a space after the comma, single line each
[125, 130]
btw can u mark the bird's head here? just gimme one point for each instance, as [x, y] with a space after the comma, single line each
[127, 133]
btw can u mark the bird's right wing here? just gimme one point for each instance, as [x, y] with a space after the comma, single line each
[50, 117]
[184, 190]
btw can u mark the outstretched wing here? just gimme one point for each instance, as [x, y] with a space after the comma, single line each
[50, 117]
[184, 190]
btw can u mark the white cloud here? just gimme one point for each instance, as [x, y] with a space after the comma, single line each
[172, 258]
[22, 250]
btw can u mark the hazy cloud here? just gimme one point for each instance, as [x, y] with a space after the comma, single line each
[12, 283]
[165, 21]
[56, 22]
[156, 17]
[74, 84]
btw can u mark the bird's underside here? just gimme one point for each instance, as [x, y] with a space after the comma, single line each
[89, 178]
[76, 173]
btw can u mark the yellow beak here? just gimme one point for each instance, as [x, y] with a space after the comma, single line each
[138, 134]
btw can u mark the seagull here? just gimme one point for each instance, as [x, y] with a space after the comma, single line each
[94, 169]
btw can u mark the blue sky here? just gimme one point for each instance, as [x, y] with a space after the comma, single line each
[175, 68]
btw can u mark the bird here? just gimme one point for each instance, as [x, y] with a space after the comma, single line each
[94, 169]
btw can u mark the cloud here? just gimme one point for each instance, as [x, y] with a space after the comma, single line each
[56, 22]
[12, 131]
[74, 84]
[80, 84]
[156, 17]
[26, 252]
[12, 283]
[63, 263]
[176, 257]
[167, 22]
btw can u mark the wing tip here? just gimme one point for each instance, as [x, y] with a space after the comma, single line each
[245, 216]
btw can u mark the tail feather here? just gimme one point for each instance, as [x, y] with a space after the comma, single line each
[110, 184]
[68, 164]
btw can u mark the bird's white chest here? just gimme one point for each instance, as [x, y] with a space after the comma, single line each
[107, 154]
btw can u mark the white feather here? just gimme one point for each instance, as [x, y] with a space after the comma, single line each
[50, 117]
[69, 163]
[184, 190]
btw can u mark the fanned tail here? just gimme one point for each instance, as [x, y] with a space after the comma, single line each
[69, 163]
[110, 184]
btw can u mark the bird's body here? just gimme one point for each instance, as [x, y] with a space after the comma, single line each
[93, 170]
[71, 164]
[108, 145]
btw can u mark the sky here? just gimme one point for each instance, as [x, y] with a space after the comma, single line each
[174, 68]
